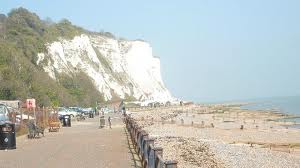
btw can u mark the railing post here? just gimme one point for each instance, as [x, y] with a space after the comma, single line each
[144, 137]
[148, 143]
[141, 142]
[171, 164]
[158, 151]
[144, 147]
[138, 140]
[152, 157]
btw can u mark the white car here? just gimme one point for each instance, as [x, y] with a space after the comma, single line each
[65, 111]
[106, 110]
[3, 113]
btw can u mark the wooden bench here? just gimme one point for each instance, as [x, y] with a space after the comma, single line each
[54, 126]
[54, 122]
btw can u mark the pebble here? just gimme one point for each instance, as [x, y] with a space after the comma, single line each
[196, 148]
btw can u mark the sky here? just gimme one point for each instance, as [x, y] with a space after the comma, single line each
[210, 50]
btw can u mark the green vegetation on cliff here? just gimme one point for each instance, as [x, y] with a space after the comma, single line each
[22, 36]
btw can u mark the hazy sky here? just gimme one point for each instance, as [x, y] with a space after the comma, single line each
[210, 50]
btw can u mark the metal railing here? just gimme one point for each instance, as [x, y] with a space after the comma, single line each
[152, 157]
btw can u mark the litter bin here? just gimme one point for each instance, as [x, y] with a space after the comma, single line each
[91, 115]
[67, 121]
[102, 122]
[7, 136]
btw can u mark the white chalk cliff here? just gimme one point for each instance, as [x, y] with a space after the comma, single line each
[116, 67]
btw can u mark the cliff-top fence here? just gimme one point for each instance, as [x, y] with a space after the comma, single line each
[152, 157]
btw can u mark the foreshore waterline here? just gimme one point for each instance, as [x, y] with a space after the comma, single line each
[287, 116]
[222, 136]
[285, 105]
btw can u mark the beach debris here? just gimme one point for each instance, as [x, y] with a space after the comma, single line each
[227, 155]
[242, 127]
[189, 152]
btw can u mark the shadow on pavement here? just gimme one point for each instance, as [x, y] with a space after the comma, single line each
[134, 156]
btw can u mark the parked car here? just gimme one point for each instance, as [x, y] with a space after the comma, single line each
[77, 109]
[4, 113]
[66, 111]
[106, 110]
[86, 111]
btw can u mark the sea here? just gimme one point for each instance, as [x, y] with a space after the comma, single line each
[287, 105]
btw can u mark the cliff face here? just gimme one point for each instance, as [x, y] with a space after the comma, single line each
[118, 68]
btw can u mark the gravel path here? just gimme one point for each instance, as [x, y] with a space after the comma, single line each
[83, 145]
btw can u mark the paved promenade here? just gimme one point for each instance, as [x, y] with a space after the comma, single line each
[81, 146]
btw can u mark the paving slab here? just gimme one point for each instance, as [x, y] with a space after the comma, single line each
[83, 145]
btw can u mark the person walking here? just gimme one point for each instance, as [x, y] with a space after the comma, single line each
[109, 122]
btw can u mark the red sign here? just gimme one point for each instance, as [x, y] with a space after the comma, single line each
[30, 103]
